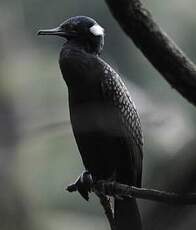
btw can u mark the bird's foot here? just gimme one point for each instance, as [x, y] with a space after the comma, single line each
[107, 188]
[83, 185]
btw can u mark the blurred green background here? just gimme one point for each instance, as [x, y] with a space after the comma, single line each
[38, 154]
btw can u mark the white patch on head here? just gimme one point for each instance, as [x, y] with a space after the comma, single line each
[97, 30]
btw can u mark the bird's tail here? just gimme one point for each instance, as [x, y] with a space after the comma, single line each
[127, 215]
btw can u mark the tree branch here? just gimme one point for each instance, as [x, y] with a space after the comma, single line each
[84, 181]
[105, 202]
[117, 189]
[159, 49]
[104, 188]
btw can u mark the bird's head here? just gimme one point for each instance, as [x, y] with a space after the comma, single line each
[82, 31]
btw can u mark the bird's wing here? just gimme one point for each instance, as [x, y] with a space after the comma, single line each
[116, 93]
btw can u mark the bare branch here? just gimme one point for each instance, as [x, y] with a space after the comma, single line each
[105, 202]
[116, 189]
[104, 188]
[160, 50]
[85, 180]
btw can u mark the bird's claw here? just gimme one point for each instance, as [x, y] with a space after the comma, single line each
[118, 197]
[107, 188]
[83, 185]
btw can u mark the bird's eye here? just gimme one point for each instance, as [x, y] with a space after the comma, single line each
[74, 31]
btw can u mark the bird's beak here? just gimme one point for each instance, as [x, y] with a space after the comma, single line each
[56, 31]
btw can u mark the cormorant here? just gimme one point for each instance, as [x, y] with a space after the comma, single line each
[104, 119]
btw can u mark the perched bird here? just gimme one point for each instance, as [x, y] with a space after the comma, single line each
[104, 119]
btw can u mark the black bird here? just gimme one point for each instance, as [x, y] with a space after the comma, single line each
[104, 119]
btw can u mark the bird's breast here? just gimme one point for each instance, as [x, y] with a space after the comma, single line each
[93, 126]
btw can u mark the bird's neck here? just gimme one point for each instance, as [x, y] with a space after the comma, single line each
[78, 67]
[86, 46]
